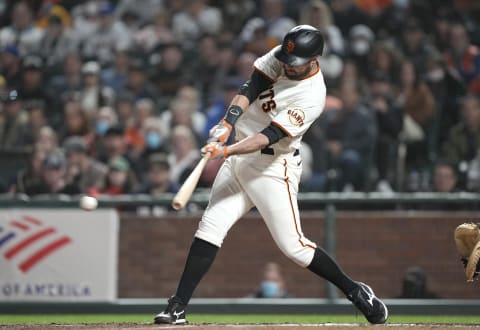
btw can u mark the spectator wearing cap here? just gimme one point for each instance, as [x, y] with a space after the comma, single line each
[156, 182]
[11, 65]
[53, 177]
[114, 144]
[94, 94]
[120, 179]
[110, 34]
[86, 172]
[13, 121]
[58, 41]
[22, 31]
[464, 58]
[33, 84]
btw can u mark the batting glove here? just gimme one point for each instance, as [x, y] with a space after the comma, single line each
[220, 132]
[216, 150]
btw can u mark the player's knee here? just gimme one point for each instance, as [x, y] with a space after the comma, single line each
[301, 255]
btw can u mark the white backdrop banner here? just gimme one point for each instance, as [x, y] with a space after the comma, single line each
[58, 255]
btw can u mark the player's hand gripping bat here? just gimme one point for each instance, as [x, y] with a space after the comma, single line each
[185, 192]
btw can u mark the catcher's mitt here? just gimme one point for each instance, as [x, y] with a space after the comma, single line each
[467, 240]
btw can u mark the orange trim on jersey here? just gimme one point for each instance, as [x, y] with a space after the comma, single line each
[314, 72]
[287, 133]
[293, 209]
[264, 74]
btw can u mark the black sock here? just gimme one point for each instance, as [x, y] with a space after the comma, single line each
[323, 265]
[199, 260]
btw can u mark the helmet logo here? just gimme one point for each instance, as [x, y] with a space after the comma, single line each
[290, 46]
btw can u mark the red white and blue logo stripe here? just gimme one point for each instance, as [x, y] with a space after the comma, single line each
[27, 241]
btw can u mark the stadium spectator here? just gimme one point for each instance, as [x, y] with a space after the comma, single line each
[385, 58]
[138, 84]
[169, 74]
[109, 34]
[84, 171]
[349, 136]
[184, 154]
[445, 178]
[22, 31]
[31, 174]
[418, 106]
[196, 19]
[10, 65]
[13, 121]
[155, 33]
[463, 143]
[272, 284]
[76, 122]
[464, 58]
[46, 139]
[93, 93]
[53, 177]
[115, 75]
[389, 118]
[414, 285]
[57, 41]
[155, 183]
[154, 141]
[346, 14]
[120, 179]
[32, 86]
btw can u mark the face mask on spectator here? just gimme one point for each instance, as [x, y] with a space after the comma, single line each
[154, 140]
[102, 126]
[360, 47]
[435, 75]
[270, 289]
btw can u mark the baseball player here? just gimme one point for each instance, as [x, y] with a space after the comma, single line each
[271, 112]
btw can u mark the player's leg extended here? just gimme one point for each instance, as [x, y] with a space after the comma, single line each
[279, 210]
[227, 204]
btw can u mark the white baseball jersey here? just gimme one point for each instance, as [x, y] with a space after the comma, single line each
[268, 182]
[292, 105]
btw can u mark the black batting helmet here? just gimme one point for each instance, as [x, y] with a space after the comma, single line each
[300, 45]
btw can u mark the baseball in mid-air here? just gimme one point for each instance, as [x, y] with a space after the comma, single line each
[88, 203]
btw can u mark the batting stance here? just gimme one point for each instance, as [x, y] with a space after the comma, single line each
[271, 112]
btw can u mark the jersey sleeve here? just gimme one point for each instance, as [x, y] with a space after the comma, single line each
[268, 65]
[295, 120]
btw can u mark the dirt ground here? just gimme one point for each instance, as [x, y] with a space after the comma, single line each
[125, 326]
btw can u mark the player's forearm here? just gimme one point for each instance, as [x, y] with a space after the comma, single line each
[240, 100]
[248, 145]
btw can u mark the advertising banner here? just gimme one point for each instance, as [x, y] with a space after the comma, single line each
[53, 255]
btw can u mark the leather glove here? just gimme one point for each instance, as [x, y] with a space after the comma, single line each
[220, 132]
[216, 149]
[467, 241]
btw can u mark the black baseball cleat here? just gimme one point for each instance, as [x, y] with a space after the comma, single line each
[173, 314]
[373, 308]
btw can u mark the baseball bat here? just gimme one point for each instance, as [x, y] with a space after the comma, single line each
[185, 192]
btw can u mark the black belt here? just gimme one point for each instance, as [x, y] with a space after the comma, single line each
[271, 151]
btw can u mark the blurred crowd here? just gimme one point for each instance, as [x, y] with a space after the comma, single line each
[116, 97]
